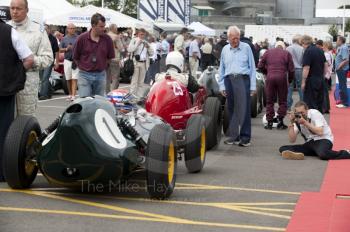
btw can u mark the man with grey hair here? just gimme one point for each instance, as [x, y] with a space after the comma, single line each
[38, 41]
[314, 69]
[296, 50]
[113, 71]
[342, 68]
[237, 83]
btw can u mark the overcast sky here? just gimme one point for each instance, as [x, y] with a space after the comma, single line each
[333, 4]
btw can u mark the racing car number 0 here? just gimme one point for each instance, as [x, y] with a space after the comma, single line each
[108, 130]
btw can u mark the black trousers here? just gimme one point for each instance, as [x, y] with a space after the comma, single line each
[7, 115]
[314, 92]
[321, 148]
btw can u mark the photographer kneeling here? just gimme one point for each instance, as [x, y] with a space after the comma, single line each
[318, 136]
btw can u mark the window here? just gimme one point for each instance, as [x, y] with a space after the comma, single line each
[203, 13]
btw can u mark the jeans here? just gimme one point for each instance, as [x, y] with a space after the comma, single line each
[321, 148]
[7, 115]
[297, 81]
[238, 101]
[91, 83]
[45, 87]
[314, 92]
[342, 86]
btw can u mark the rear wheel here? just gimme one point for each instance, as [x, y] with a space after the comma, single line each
[254, 105]
[19, 168]
[195, 143]
[226, 119]
[213, 118]
[161, 162]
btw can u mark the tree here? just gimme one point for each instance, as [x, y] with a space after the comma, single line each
[333, 31]
[347, 26]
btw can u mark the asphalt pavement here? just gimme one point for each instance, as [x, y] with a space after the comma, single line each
[239, 189]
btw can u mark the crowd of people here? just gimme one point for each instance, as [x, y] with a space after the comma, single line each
[93, 61]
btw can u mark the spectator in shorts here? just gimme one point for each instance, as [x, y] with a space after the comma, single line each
[70, 72]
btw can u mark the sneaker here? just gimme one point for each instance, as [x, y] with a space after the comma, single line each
[72, 98]
[292, 155]
[244, 144]
[341, 106]
[229, 141]
[237, 141]
[69, 98]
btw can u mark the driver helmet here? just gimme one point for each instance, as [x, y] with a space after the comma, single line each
[120, 99]
[175, 60]
[275, 120]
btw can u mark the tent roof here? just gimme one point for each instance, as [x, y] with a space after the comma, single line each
[45, 7]
[81, 18]
[201, 29]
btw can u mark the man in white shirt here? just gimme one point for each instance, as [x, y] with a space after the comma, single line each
[141, 51]
[195, 55]
[318, 136]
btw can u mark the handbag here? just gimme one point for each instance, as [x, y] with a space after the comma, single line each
[128, 68]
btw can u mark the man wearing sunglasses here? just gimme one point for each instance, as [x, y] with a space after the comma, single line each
[316, 132]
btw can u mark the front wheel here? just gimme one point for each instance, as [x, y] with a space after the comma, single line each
[195, 143]
[213, 117]
[19, 168]
[161, 162]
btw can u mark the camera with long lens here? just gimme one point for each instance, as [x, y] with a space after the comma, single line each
[298, 116]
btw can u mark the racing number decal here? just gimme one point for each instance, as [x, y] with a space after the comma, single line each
[177, 89]
[108, 130]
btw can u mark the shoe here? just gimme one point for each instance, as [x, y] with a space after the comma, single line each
[69, 98]
[292, 155]
[281, 125]
[43, 98]
[229, 141]
[72, 98]
[341, 106]
[244, 144]
[237, 141]
[269, 125]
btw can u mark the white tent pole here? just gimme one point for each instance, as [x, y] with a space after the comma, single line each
[344, 20]
[103, 4]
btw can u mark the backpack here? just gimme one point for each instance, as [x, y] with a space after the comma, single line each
[128, 68]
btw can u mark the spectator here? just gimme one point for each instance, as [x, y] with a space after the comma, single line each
[263, 49]
[179, 43]
[194, 56]
[313, 74]
[45, 74]
[219, 46]
[277, 62]
[141, 51]
[251, 45]
[296, 50]
[327, 47]
[37, 40]
[319, 44]
[164, 51]
[113, 70]
[207, 50]
[318, 136]
[92, 53]
[154, 60]
[237, 82]
[14, 59]
[70, 71]
[342, 68]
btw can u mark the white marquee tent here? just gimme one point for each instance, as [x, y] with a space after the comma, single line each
[81, 18]
[201, 29]
[40, 10]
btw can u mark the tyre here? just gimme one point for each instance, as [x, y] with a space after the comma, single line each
[195, 143]
[254, 105]
[226, 118]
[161, 162]
[64, 85]
[19, 170]
[213, 118]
